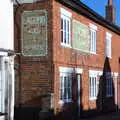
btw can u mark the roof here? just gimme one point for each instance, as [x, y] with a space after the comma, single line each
[84, 10]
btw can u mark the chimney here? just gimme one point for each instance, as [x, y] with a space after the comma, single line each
[110, 11]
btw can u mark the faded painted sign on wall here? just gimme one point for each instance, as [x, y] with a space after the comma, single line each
[34, 33]
[81, 36]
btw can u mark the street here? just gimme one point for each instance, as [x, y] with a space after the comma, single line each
[109, 116]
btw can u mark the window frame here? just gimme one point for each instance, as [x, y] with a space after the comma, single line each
[93, 81]
[109, 85]
[93, 38]
[65, 98]
[65, 28]
[108, 45]
[94, 74]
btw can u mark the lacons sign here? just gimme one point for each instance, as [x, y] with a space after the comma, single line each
[34, 33]
[81, 36]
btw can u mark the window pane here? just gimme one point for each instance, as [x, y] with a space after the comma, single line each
[61, 87]
[64, 31]
[62, 36]
[93, 40]
[61, 23]
[65, 88]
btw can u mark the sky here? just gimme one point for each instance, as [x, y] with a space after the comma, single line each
[99, 7]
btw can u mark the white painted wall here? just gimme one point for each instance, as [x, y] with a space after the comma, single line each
[6, 24]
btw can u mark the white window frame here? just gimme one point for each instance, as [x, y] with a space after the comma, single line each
[93, 80]
[65, 71]
[65, 27]
[66, 85]
[93, 90]
[108, 46]
[109, 85]
[93, 38]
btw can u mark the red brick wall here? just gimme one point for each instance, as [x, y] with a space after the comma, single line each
[34, 75]
[67, 57]
[39, 75]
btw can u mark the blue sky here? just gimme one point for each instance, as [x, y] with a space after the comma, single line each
[99, 7]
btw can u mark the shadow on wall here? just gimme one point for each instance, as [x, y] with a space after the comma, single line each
[105, 101]
[106, 91]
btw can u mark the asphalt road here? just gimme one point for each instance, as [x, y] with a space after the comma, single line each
[110, 116]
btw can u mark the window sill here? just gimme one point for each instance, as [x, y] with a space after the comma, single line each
[61, 102]
[93, 98]
[66, 45]
[109, 57]
[94, 53]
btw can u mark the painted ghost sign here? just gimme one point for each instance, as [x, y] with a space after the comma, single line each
[34, 33]
[81, 36]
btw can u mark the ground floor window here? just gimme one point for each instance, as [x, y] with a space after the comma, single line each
[65, 87]
[109, 86]
[94, 77]
[93, 87]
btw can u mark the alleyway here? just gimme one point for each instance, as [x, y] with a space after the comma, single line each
[109, 116]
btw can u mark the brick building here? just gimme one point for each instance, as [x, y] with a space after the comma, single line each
[69, 56]
[6, 61]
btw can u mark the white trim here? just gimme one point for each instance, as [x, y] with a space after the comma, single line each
[70, 70]
[108, 44]
[93, 27]
[79, 70]
[66, 45]
[65, 12]
[65, 30]
[92, 98]
[93, 38]
[65, 69]
[116, 74]
[95, 73]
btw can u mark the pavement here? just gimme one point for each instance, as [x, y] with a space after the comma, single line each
[109, 116]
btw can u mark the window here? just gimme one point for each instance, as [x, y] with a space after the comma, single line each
[93, 35]
[93, 87]
[94, 83]
[65, 27]
[108, 45]
[65, 87]
[109, 89]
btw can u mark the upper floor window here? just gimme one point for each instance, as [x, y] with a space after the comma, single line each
[93, 36]
[65, 27]
[108, 45]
